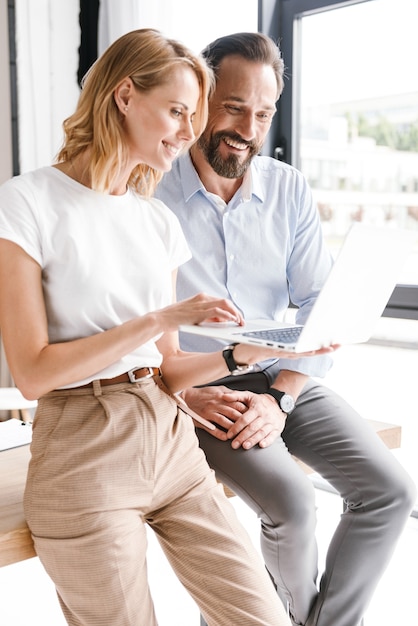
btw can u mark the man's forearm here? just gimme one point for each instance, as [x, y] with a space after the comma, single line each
[291, 382]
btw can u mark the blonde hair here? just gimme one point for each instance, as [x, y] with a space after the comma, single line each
[148, 58]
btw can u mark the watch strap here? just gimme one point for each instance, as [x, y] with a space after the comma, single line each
[234, 367]
[284, 400]
[277, 395]
[228, 355]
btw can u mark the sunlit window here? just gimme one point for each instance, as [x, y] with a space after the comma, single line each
[358, 116]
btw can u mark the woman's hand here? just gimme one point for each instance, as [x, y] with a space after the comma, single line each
[199, 308]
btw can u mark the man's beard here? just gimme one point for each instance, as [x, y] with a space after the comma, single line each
[232, 167]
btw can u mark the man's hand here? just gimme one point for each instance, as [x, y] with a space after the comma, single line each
[244, 417]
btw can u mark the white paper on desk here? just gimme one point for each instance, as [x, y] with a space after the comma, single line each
[14, 433]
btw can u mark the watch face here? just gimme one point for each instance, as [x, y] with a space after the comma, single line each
[287, 404]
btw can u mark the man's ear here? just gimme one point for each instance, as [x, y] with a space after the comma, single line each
[123, 94]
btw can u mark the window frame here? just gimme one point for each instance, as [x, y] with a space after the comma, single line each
[279, 19]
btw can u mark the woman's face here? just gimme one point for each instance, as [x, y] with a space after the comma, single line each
[159, 123]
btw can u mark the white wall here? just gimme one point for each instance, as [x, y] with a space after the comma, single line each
[47, 40]
[193, 22]
[5, 142]
[48, 37]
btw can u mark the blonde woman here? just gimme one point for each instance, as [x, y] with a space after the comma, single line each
[87, 275]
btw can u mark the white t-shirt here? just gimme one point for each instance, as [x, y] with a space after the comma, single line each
[105, 259]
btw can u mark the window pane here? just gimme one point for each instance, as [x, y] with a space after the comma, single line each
[358, 132]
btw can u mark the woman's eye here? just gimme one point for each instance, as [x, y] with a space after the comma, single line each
[176, 112]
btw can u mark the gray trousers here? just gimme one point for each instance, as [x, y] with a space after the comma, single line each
[328, 435]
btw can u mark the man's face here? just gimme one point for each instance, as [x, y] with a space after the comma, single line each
[240, 115]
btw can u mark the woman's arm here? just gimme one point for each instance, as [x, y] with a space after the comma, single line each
[38, 366]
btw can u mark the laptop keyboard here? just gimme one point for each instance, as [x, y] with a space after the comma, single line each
[280, 335]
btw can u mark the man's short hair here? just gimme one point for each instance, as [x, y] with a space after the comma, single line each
[252, 47]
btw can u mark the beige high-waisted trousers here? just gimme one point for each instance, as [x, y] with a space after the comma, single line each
[105, 461]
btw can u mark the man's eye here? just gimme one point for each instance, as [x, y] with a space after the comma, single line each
[232, 109]
[265, 117]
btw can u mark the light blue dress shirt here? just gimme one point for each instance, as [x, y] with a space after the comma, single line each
[259, 249]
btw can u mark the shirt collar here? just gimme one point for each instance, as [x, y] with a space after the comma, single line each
[256, 187]
[189, 178]
[247, 186]
[191, 183]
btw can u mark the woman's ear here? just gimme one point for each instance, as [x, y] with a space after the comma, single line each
[123, 95]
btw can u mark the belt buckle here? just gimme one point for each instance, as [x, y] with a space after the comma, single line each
[134, 379]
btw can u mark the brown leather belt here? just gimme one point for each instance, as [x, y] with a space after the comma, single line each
[132, 376]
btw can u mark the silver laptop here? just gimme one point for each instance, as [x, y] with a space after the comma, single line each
[349, 305]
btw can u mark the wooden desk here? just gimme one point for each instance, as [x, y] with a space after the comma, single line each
[15, 540]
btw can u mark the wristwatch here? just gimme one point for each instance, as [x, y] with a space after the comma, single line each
[235, 368]
[283, 399]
